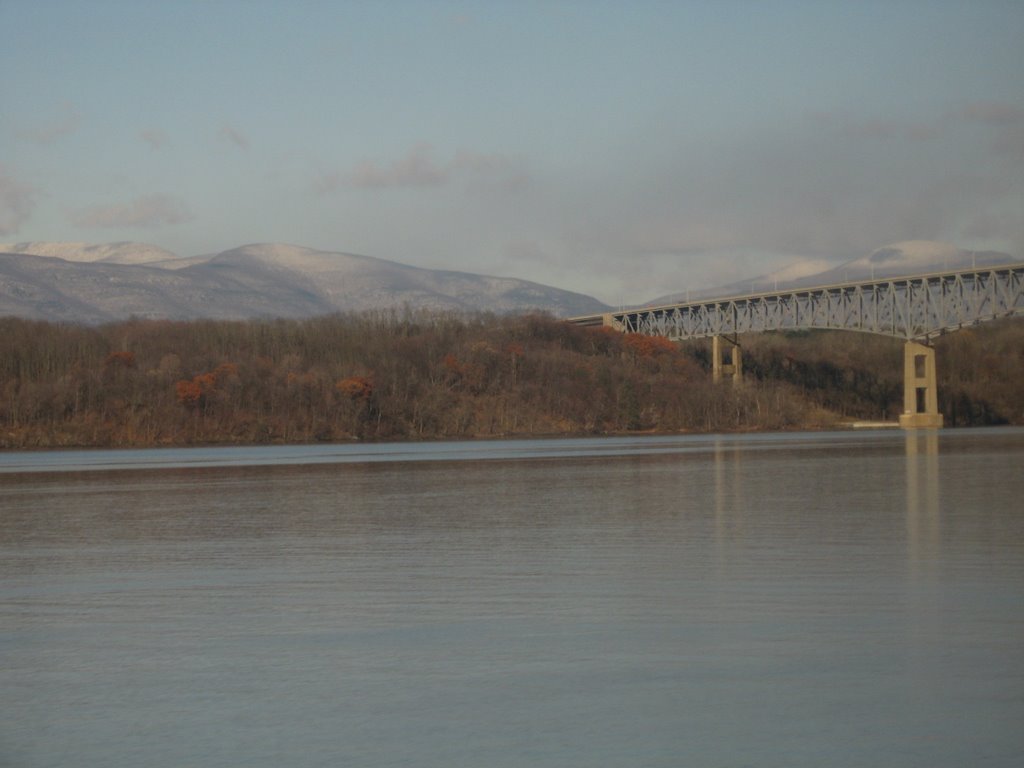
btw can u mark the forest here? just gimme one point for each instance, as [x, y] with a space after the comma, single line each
[417, 375]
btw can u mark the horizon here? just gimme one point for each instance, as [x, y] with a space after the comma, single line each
[911, 258]
[617, 152]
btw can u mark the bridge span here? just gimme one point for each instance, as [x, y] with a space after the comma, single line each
[916, 308]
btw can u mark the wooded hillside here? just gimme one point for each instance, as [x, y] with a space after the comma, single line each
[413, 375]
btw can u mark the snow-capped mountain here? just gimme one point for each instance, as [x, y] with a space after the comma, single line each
[915, 257]
[75, 282]
[107, 253]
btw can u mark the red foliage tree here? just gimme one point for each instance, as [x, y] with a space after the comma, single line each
[188, 392]
[642, 345]
[198, 390]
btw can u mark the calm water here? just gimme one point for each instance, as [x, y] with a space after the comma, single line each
[794, 600]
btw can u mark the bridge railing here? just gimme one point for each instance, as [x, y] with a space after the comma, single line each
[909, 307]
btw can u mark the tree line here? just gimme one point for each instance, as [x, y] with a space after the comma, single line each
[400, 375]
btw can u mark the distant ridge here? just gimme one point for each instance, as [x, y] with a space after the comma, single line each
[107, 253]
[89, 283]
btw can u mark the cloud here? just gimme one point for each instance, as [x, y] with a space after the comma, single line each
[672, 217]
[874, 128]
[1011, 143]
[815, 191]
[416, 169]
[235, 136]
[65, 122]
[16, 202]
[327, 183]
[990, 112]
[156, 139]
[494, 168]
[1005, 120]
[419, 168]
[992, 225]
[150, 211]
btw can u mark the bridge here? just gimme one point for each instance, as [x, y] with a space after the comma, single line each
[915, 308]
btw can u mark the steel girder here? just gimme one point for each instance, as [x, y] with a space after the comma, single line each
[914, 307]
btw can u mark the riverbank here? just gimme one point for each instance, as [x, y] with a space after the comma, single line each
[429, 376]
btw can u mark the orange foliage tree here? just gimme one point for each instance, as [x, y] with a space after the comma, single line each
[356, 388]
[198, 390]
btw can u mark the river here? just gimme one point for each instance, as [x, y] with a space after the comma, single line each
[833, 599]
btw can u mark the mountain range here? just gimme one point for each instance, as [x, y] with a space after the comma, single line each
[96, 283]
[78, 282]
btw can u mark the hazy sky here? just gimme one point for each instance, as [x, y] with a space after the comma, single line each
[622, 149]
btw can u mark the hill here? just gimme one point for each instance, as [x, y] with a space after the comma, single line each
[76, 282]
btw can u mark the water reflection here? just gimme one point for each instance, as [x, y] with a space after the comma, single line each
[729, 501]
[922, 491]
[737, 600]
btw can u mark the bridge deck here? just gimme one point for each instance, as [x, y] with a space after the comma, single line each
[908, 307]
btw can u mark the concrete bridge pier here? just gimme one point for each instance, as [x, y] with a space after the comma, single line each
[734, 366]
[920, 391]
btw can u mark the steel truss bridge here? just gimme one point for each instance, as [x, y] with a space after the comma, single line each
[913, 307]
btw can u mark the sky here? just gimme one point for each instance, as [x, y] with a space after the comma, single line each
[621, 149]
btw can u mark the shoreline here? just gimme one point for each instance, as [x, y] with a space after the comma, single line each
[844, 426]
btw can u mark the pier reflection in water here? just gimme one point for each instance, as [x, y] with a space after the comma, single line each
[923, 512]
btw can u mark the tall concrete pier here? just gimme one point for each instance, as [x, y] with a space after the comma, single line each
[920, 390]
[726, 359]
